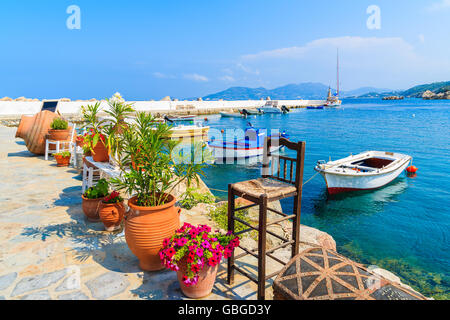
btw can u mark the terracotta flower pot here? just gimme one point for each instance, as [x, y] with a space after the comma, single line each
[147, 227]
[91, 208]
[206, 280]
[62, 161]
[58, 135]
[100, 153]
[111, 215]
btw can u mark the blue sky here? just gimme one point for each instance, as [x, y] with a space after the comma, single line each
[150, 49]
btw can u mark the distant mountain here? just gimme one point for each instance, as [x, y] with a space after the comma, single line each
[318, 91]
[418, 91]
[414, 92]
[307, 90]
[363, 91]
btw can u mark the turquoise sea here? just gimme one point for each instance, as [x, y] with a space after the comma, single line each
[403, 227]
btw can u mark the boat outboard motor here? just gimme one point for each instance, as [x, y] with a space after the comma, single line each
[284, 109]
[167, 119]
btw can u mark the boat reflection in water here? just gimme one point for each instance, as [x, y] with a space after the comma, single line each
[359, 202]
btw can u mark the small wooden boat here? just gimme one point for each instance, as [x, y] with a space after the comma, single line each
[364, 171]
[252, 145]
[194, 132]
[231, 115]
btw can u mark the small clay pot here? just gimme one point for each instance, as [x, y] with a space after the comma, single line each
[111, 215]
[62, 161]
[205, 284]
[147, 227]
[100, 153]
[58, 135]
[91, 208]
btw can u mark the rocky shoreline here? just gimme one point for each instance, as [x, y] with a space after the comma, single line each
[429, 95]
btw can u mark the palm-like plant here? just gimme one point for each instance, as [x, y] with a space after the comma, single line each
[93, 123]
[156, 166]
[118, 111]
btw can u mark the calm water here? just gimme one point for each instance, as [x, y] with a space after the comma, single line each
[405, 226]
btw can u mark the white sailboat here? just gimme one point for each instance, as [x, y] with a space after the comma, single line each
[333, 100]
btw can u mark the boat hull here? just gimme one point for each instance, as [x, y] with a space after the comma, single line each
[337, 183]
[190, 133]
[238, 153]
[270, 110]
[230, 115]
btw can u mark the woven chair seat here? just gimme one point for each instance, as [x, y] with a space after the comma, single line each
[270, 187]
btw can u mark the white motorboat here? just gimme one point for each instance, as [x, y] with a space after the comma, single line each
[270, 107]
[364, 171]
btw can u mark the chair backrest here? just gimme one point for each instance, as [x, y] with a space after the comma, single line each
[74, 129]
[282, 168]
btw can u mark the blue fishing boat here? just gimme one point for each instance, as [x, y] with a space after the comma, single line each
[252, 145]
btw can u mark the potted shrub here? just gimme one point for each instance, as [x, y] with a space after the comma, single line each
[92, 199]
[118, 111]
[112, 211]
[62, 159]
[195, 254]
[95, 139]
[59, 130]
[158, 171]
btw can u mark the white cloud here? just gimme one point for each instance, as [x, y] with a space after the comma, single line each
[421, 38]
[373, 61]
[196, 77]
[346, 43]
[163, 75]
[227, 78]
[442, 4]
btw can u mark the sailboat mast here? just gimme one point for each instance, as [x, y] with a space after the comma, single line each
[337, 72]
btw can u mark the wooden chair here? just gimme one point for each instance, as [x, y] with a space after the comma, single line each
[275, 184]
[67, 145]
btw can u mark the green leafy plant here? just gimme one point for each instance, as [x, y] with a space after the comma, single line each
[192, 198]
[156, 167]
[220, 216]
[64, 154]
[94, 125]
[100, 190]
[118, 112]
[59, 124]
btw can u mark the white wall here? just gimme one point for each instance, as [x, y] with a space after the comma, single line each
[17, 108]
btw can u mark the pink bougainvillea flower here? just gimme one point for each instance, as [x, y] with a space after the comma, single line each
[200, 252]
[195, 268]
[206, 244]
[227, 253]
[212, 262]
[170, 252]
[193, 233]
[190, 257]
[181, 242]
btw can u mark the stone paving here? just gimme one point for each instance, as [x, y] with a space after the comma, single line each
[50, 251]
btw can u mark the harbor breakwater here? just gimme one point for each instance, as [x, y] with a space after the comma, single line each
[11, 111]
